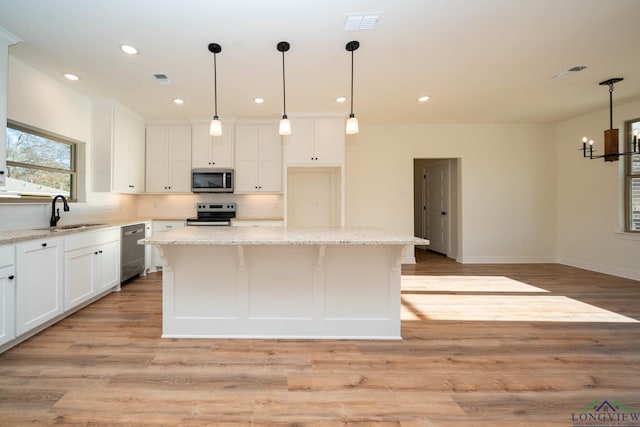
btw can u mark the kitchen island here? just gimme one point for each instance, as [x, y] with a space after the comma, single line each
[278, 282]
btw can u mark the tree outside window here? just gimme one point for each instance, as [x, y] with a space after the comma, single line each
[632, 180]
[39, 164]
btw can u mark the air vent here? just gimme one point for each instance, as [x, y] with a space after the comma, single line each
[162, 79]
[569, 71]
[360, 22]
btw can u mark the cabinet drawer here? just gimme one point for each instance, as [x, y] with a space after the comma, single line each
[91, 238]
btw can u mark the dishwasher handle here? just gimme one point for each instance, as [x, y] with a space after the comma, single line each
[134, 231]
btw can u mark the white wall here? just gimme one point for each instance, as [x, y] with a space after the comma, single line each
[590, 198]
[183, 206]
[507, 184]
[41, 102]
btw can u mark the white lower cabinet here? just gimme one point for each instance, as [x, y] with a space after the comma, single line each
[162, 226]
[7, 294]
[39, 287]
[91, 265]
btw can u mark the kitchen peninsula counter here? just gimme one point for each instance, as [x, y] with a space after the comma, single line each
[278, 282]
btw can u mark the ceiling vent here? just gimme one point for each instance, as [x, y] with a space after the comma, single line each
[162, 79]
[569, 71]
[360, 22]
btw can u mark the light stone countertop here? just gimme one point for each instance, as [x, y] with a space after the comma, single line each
[15, 236]
[203, 235]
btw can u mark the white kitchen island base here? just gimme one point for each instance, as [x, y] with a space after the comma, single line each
[277, 282]
[312, 291]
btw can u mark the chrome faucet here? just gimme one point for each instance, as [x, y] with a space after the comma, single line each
[55, 213]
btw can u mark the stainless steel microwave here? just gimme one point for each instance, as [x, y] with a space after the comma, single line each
[212, 180]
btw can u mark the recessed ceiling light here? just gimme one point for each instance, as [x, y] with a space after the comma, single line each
[258, 100]
[341, 99]
[178, 101]
[129, 50]
[71, 77]
[423, 98]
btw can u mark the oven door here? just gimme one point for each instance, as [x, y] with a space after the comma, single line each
[212, 181]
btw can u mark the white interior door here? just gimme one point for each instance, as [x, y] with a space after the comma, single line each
[436, 206]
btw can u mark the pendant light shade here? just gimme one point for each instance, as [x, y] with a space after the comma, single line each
[352, 121]
[285, 124]
[215, 129]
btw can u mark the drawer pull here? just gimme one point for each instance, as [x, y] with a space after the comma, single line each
[10, 277]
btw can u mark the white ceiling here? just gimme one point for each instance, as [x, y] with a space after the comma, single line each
[478, 60]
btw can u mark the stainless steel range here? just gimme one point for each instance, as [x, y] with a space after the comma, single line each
[214, 214]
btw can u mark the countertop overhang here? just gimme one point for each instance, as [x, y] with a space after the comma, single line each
[280, 236]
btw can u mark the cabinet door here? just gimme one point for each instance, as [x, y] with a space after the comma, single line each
[79, 267]
[247, 159]
[128, 161]
[299, 145]
[211, 151]
[157, 156]
[38, 283]
[270, 168]
[179, 159]
[7, 297]
[222, 148]
[329, 141]
[107, 273]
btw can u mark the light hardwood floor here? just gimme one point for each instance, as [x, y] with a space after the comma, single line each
[491, 352]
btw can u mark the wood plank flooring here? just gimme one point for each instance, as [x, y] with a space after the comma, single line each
[106, 365]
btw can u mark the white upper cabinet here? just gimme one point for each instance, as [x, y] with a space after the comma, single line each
[118, 144]
[168, 157]
[212, 151]
[315, 141]
[258, 167]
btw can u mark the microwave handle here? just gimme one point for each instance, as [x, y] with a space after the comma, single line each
[224, 180]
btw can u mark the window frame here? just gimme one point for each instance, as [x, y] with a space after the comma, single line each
[73, 171]
[628, 175]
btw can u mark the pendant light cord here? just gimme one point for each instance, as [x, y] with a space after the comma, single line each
[351, 114]
[284, 90]
[610, 105]
[215, 87]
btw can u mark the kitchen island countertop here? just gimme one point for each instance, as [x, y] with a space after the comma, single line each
[280, 236]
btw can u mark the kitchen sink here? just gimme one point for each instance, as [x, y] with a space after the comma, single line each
[69, 227]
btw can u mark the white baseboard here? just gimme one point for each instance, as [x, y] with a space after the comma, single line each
[600, 268]
[507, 260]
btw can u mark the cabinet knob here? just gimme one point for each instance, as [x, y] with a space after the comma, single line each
[99, 252]
[95, 253]
[44, 245]
[1, 172]
[10, 277]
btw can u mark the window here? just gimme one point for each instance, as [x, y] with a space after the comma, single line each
[39, 164]
[632, 179]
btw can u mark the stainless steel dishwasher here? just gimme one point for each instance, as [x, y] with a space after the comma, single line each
[132, 254]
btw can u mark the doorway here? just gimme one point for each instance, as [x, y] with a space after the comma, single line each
[435, 204]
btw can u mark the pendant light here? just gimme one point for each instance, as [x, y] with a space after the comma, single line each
[352, 121]
[215, 128]
[285, 124]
